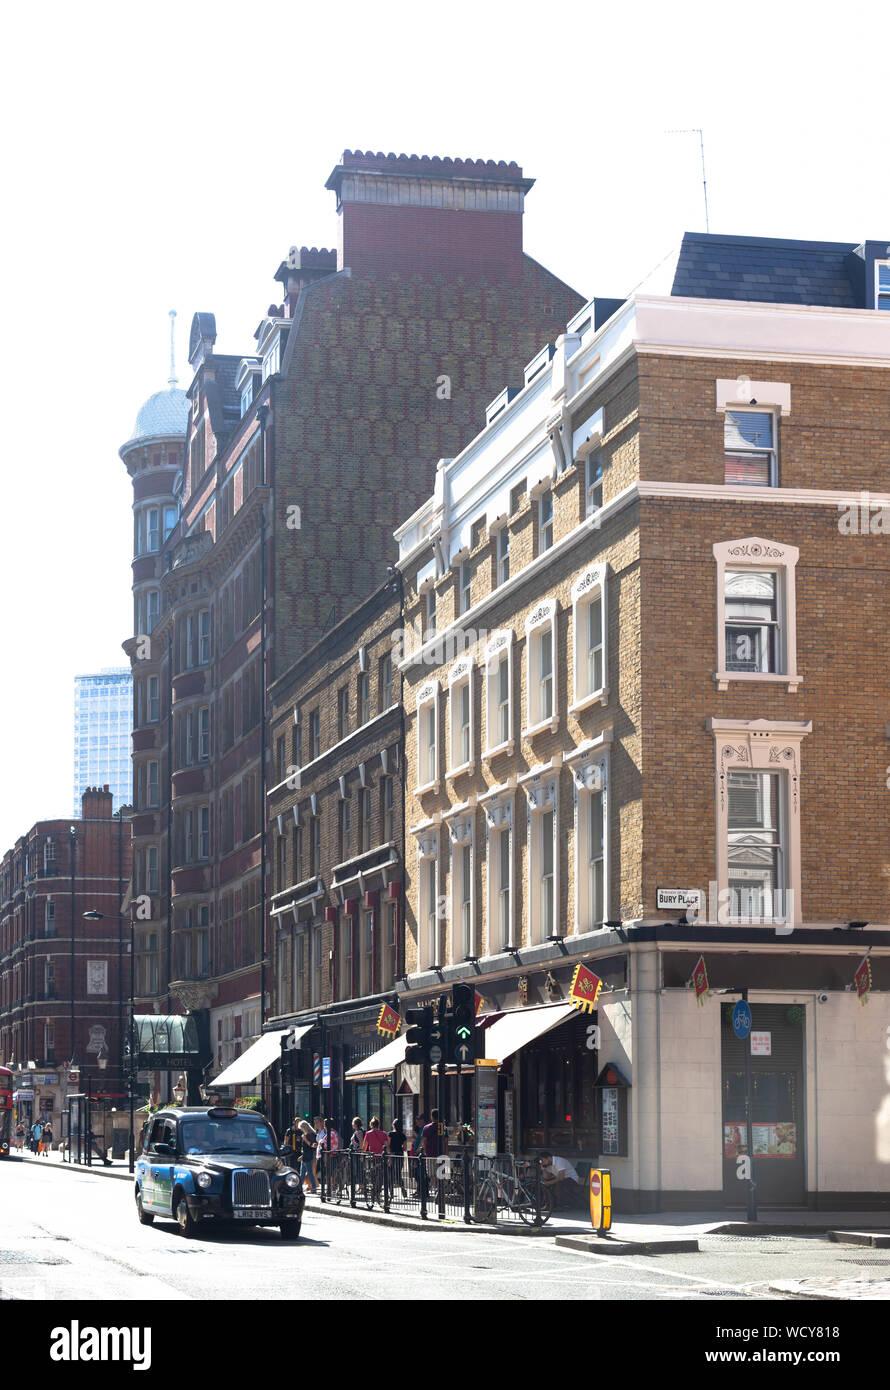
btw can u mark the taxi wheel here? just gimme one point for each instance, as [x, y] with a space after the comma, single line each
[184, 1220]
[145, 1217]
[290, 1230]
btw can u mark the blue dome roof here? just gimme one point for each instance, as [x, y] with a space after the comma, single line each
[164, 413]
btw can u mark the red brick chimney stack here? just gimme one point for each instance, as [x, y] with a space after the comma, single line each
[96, 803]
[407, 213]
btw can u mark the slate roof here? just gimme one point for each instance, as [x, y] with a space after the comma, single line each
[769, 270]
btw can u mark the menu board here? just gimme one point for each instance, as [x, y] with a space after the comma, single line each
[770, 1141]
[610, 1120]
[486, 1110]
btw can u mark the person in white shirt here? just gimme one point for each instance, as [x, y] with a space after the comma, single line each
[561, 1180]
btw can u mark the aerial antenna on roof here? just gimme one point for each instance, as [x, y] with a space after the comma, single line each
[173, 379]
[695, 130]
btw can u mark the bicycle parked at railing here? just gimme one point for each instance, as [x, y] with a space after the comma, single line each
[503, 1190]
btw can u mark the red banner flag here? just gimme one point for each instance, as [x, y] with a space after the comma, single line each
[389, 1021]
[862, 979]
[479, 1002]
[700, 979]
[585, 989]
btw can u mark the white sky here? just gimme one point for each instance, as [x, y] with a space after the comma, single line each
[166, 155]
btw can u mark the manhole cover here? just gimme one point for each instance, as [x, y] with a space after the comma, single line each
[22, 1257]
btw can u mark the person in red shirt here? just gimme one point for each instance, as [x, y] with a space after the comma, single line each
[376, 1139]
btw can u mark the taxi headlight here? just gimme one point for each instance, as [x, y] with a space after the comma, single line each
[292, 1180]
[204, 1179]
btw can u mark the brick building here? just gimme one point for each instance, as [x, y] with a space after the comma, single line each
[647, 657]
[292, 465]
[336, 840]
[54, 874]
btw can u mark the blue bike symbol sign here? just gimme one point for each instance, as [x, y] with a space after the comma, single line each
[741, 1020]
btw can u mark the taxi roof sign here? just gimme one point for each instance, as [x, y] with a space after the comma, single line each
[222, 1112]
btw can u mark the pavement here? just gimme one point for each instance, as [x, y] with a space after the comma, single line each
[647, 1232]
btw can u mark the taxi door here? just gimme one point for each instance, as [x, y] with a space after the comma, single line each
[143, 1162]
[161, 1165]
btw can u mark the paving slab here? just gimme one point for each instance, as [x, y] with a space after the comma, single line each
[835, 1288]
[875, 1239]
[611, 1245]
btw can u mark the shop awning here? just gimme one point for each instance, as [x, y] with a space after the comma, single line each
[256, 1059]
[521, 1026]
[379, 1063]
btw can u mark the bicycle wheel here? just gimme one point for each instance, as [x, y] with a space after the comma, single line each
[528, 1210]
[485, 1202]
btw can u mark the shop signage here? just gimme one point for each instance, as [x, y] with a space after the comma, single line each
[326, 1073]
[679, 899]
[389, 1021]
[700, 979]
[479, 1003]
[741, 1020]
[585, 989]
[316, 1068]
[761, 1044]
[862, 979]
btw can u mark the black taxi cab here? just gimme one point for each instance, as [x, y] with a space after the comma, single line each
[216, 1163]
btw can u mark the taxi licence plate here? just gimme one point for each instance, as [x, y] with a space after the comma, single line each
[252, 1213]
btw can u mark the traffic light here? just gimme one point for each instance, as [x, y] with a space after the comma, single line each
[461, 1025]
[418, 1026]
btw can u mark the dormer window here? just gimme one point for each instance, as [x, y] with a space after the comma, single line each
[882, 285]
[247, 396]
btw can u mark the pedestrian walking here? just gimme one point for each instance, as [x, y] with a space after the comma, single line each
[397, 1137]
[376, 1140]
[357, 1141]
[397, 1143]
[416, 1147]
[433, 1148]
[36, 1131]
[46, 1139]
[307, 1154]
[321, 1144]
[19, 1137]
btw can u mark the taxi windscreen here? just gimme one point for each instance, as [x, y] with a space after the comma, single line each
[235, 1135]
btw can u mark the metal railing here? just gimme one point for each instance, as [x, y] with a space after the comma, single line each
[458, 1186]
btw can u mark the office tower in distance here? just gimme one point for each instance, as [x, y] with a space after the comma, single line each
[103, 717]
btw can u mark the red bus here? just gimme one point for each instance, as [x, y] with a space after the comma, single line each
[5, 1111]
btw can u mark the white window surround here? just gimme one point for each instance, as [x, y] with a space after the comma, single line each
[428, 695]
[760, 745]
[589, 766]
[460, 678]
[541, 617]
[429, 944]
[460, 830]
[586, 589]
[541, 789]
[499, 821]
[767, 395]
[752, 552]
[498, 648]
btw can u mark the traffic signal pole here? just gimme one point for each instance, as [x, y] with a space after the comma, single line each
[440, 1102]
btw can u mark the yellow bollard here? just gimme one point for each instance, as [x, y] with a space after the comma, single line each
[601, 1200]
